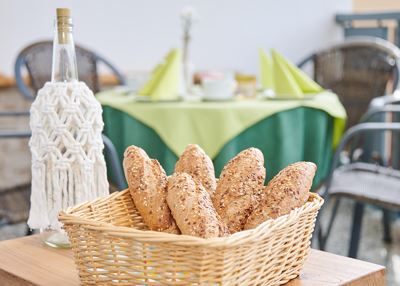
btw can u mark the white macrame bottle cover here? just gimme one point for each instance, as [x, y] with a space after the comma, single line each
[68, 165]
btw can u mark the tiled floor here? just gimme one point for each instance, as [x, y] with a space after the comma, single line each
[372, 247]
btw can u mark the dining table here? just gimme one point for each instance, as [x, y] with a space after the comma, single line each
[27, 261]
[286, 130]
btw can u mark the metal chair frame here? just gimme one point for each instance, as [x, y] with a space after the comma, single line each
[351, 134]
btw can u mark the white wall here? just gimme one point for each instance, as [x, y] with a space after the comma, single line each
[135, 34]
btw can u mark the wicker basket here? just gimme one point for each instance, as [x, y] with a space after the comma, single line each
[112, 247]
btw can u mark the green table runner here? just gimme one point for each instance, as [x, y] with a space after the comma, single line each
[286, 131]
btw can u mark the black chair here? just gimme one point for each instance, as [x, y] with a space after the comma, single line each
[37, 59]
[364, 182]
[357, 70]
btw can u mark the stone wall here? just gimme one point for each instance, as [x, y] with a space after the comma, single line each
[15, 159]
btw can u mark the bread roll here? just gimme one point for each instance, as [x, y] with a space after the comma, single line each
[239, 187]
[286, 191]
[148, 187]
[195, 162]
[192, 208]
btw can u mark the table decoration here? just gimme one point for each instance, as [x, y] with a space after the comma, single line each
[219, 88]
[266, 72]
[285, 79]
[68, 165]
[246, 85]
[188, 18]
[165, 82]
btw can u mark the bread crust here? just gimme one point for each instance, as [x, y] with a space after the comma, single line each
[192, 208]
[239, 187]
[288, 190]
[195, 162]
[148, 187]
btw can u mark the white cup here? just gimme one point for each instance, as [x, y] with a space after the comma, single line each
[218, 88]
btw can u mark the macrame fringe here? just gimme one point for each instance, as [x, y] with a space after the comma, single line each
[68, 165]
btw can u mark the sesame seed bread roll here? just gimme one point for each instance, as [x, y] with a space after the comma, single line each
[239, 187]
[192, 208]
[195, 162]
[148, 187]
[288, 190]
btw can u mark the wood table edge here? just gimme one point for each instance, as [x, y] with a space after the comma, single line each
[366, 279]
[372, 271]
[373, 277]
[11, 279]
[13, 275]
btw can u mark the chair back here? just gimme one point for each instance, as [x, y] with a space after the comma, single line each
[357, 70]
[382, 148]
[37, 58]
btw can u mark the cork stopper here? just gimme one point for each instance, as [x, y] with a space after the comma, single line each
[64, 25]
[63, 12]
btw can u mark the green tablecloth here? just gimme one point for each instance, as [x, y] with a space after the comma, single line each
[286, 131]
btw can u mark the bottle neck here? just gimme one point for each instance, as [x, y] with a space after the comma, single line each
[64, 68]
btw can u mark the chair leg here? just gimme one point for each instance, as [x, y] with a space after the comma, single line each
[28, 231]
[322, 239]
[356, 229]
[116, 166]
[387, 217]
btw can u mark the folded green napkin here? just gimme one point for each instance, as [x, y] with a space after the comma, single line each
[266, 70]
[165, 79]
[285, 82]
[288, 80]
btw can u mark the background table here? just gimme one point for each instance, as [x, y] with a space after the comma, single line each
[284, 130]
[26, 261]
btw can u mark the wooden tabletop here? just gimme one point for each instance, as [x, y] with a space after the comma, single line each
[26, 261]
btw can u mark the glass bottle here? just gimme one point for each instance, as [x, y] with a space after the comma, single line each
[68, 166]
[64, 69]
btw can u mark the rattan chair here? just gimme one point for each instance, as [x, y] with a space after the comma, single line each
[363, 182]
[37, 58]
[357, 70]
